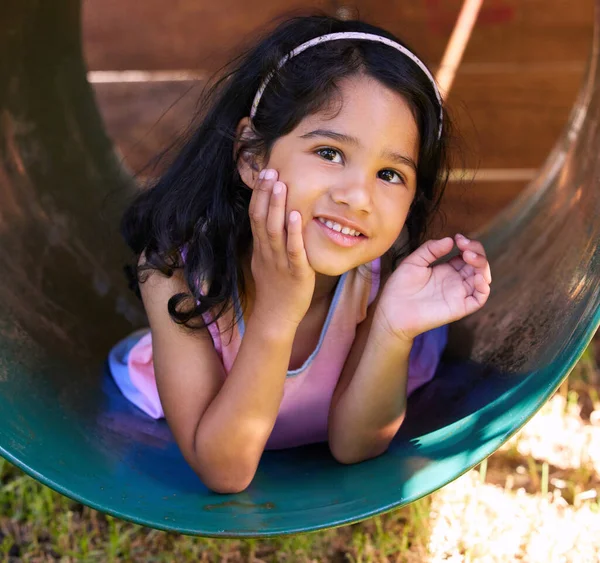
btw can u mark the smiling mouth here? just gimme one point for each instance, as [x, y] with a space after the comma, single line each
[339, 228]
[337, 237]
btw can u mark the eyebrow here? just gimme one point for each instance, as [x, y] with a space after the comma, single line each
[348, 139]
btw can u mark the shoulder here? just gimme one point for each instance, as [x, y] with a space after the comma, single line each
[162, 282]
[156, 291]
[156, 283]
[174, 344]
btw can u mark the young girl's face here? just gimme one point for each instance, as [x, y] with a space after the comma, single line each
[357, 169]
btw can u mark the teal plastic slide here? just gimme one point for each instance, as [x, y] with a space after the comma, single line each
[64, 303]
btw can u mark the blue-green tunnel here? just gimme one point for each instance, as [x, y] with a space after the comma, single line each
[64, 303]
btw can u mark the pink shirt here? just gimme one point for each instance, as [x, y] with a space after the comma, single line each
[304, 409]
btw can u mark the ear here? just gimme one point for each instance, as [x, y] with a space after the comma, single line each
[247, 164]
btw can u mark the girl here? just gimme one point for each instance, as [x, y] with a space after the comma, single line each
[280, 259]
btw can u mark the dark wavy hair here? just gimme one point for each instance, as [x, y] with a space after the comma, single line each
[200, 202]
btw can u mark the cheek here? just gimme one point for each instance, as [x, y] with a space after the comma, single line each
[302, 193]
[300, 172]
[293, 174]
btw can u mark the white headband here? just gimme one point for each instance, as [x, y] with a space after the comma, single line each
[349, 35]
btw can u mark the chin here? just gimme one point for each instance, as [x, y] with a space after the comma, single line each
[330, 266]
[330, 260]
[330, 271]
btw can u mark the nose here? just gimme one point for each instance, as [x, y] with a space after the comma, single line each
[353, 190]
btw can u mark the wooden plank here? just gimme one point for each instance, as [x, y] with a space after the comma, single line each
[145, 118]
[192, 34]
[466, 207]
[188, 34]
[506, 30]
[512, 119]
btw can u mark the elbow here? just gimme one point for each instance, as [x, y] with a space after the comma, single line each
[225, 484]
[224, 477]
[355, 454]
[224, 470]
[351, 449]
[343, 457]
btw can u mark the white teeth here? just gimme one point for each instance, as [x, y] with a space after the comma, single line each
[337, 227]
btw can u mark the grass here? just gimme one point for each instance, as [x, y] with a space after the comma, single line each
[37, 524]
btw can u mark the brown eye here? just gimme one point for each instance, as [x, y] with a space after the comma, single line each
[391, 173]
[328, 152]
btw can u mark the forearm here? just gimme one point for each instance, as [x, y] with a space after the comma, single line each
[236, 426]
[370, 410]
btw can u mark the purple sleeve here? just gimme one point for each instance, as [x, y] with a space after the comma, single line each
[425, 357]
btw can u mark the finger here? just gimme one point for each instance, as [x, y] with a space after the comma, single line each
[481, 292]
[430, 251]
[254, 188]
[476, 260]
[259, 206]
[295, 243]
[487, 273]
[464, 243]
[276, 216]
[480, 263]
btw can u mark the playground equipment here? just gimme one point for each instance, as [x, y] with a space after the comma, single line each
[64, 303]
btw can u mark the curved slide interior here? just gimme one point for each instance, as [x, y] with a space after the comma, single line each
[64, 303]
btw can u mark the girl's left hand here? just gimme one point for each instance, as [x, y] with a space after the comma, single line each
[418, 297]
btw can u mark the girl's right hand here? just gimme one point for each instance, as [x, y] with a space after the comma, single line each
[283, 277]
